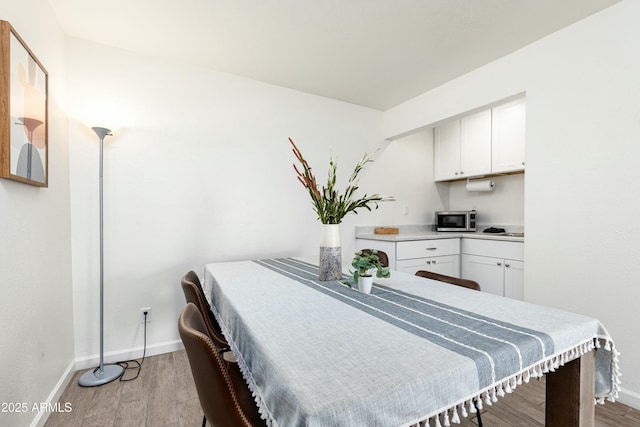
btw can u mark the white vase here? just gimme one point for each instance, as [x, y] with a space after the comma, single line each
[330, 252]
[365, 283]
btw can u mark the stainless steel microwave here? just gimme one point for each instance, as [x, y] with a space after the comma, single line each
[456, 221]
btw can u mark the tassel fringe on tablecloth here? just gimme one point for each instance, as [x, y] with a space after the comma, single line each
[445, 417]
[257, 396]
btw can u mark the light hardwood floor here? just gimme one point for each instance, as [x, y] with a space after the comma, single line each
[165, 395]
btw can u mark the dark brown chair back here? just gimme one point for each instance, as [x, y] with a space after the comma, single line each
[193, 293]
[224, 396]
[384, 259]
[465, 283]
[449, 279]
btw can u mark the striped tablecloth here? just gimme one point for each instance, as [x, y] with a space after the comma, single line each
[413, 352]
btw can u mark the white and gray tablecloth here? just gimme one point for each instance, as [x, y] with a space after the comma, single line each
[413, 352]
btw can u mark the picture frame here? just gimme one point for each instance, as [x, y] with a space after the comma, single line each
[24, 102]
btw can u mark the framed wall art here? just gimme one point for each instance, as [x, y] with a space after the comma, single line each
[24, 150]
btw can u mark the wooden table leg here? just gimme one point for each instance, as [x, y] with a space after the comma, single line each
[571, 394]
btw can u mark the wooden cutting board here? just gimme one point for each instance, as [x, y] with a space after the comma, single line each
[386, 230]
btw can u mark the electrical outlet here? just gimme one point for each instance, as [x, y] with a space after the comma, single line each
[148, 311]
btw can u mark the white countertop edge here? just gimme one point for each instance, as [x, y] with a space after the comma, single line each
[408, 233]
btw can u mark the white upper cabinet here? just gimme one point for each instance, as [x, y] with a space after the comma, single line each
[491, 141]
[475, 144]
[447, 151]
[508, 137]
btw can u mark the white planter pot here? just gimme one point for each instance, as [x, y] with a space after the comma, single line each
[365, 283]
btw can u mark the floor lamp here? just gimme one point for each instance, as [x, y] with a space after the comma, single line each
[104, 373]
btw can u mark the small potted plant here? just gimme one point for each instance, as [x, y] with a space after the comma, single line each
[364, 263]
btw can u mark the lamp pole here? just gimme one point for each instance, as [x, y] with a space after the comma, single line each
[104, 373]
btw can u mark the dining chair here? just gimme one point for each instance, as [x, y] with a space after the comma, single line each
[193, 293]
[384, 259]
[224, 395]
[466, 283]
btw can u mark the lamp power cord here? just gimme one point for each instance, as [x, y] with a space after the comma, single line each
[135, 365]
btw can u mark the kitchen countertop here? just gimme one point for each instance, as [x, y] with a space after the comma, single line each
[425, 232]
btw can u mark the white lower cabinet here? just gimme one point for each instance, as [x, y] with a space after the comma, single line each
[514, 279]
[498, 276]
[447, 264]
[437, 255]
[498, 267]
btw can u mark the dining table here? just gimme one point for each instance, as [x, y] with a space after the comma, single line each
[412, 352]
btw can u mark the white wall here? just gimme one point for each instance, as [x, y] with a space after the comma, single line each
[583, 122]
[35, 254]
[502, 207]
[405, 170]
[200, 171]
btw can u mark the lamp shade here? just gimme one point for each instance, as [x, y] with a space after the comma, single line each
[101, 132]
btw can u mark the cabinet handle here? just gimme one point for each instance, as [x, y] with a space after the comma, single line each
[456, 173]
[499, 264]
[428, 262]
[431, 249]
[461, 173]
[433, 262]
[507, 265]
[522, 163]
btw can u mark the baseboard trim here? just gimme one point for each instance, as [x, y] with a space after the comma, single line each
[133, 353]
[629, 398]
[41, 418]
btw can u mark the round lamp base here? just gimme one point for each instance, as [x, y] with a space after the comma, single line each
[94, 378]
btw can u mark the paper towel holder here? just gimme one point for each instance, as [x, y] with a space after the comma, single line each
[479, 184]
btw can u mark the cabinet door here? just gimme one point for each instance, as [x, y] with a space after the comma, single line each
[487, 271]
[447, 265]
[508, 135]
[446, 146]
[411, 266]
[514, 279]
[475, 144]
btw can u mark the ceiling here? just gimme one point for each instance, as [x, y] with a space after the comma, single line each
[374, 53]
